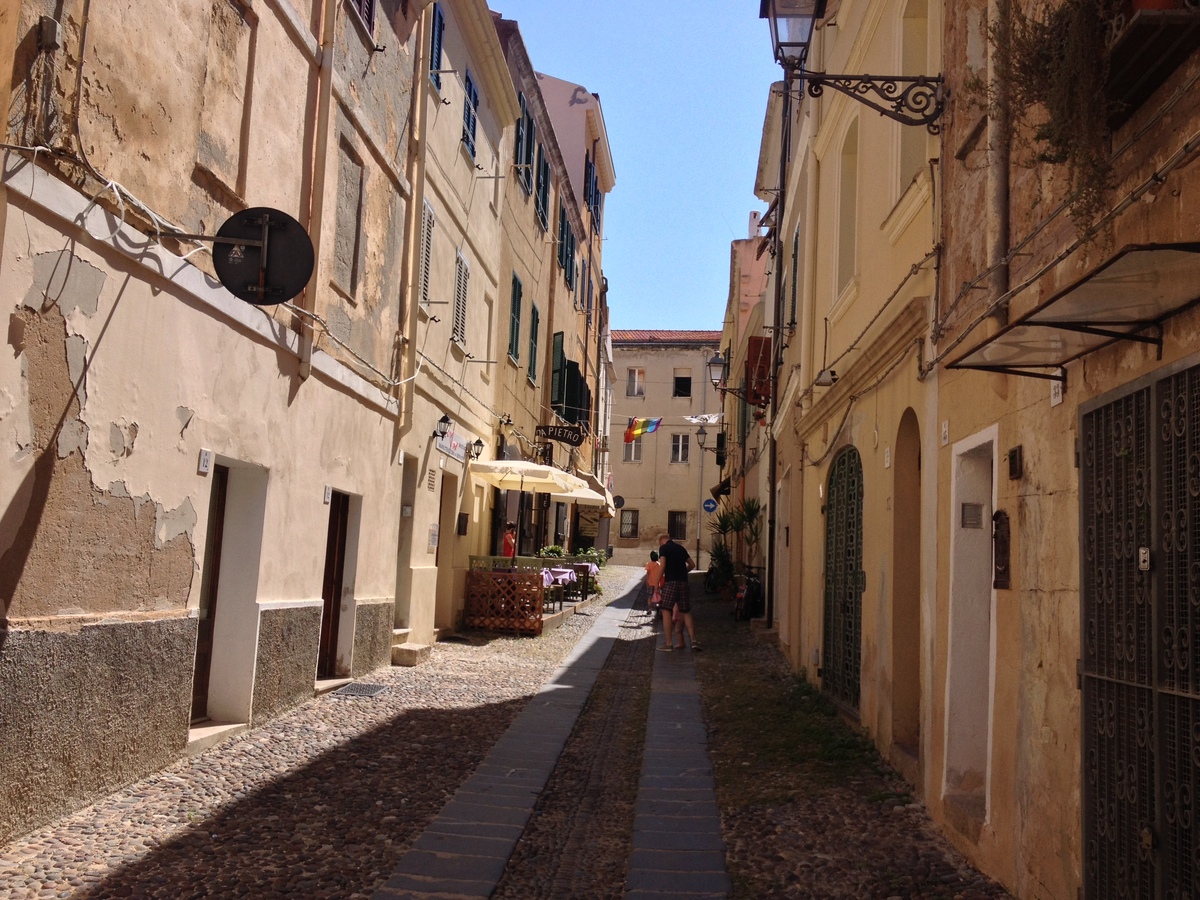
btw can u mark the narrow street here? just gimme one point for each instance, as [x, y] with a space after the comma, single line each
[327, 800]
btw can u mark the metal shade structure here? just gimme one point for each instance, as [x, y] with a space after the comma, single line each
[520, 475]
[1125, 299]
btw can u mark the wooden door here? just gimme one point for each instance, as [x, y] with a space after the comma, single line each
[209, 580]
[331, 589]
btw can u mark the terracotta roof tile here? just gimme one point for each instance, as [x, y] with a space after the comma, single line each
[666, 337]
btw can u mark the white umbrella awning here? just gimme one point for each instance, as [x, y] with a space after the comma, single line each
[588, 492]
[519, 475]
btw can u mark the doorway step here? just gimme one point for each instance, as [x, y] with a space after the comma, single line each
[205, 735]
[405, 653]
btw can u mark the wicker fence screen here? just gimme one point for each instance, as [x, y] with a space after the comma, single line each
[505, 601]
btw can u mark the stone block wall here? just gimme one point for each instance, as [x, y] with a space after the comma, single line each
[85, 711]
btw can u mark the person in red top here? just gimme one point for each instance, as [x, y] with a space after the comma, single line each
[509, 547]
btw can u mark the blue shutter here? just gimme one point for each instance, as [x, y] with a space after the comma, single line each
[435, 46]
[470, 105]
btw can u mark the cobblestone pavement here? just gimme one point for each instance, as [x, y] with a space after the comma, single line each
[323, 801]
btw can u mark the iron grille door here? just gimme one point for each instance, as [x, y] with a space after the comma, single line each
[1177, 580]
[844, 579]
[1118, 628]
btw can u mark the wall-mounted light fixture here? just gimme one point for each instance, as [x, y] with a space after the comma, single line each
[442, 427]
[910, 100]
[716, 374]
[477, 448]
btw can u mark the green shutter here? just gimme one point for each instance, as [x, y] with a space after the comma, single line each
[558, 381]
[514, 323]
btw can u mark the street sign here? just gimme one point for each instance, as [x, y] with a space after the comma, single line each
[571, 435]
[710, 506]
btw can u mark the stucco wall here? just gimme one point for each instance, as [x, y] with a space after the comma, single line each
[86, 711]
[372, 637]
[287, 660]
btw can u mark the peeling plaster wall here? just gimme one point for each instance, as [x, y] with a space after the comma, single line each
[129, 682]
[287, 660]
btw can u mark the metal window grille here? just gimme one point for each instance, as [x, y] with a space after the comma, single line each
[677, 525]
[629, 522]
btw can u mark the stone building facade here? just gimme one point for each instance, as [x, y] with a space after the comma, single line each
[985, 518]
[209, 508]
[662, 478]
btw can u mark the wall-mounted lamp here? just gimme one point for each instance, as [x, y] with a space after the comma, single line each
[702, 437]
[716, 368]
[442, 426]
[910, 100]
[826, 378]
[477, 448]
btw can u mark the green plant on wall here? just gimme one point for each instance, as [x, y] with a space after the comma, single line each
[1051, 64]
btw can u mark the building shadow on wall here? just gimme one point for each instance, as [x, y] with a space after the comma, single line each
[334, 828]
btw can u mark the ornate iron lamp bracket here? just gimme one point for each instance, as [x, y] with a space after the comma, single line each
[910, 100]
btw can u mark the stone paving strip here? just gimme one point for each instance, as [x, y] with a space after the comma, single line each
[464, 852]
[678, 850]
[321, 802]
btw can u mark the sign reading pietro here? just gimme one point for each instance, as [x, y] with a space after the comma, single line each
[564, 434]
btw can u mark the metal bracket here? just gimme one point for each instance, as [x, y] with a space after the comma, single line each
[910, 100]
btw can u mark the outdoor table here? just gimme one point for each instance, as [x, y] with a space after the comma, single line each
[585, 571]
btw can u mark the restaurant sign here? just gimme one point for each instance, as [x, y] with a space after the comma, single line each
[564, 434]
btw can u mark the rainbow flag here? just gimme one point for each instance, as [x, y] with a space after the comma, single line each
[638, 427]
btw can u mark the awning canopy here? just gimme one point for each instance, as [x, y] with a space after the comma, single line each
[1125, 299]
[520, 475]
[588, 491]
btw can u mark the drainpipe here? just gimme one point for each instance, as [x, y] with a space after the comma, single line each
[416, 215]
[316, 210]
[785, 148]
[998, 134]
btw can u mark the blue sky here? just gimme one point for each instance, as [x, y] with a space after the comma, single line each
[684, 89]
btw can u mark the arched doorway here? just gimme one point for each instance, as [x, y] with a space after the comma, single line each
[844, 579]
[906, 596]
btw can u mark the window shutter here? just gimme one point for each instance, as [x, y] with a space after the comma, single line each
[534, 324]
[426, 253]
[519, 146]
[558, 375]
[514, 322]
[435, 46]
[470, 105]
[574, 392]
[461, 275]
[543, 190]
[795, 273]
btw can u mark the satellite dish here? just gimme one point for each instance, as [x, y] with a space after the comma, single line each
[263, 256]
